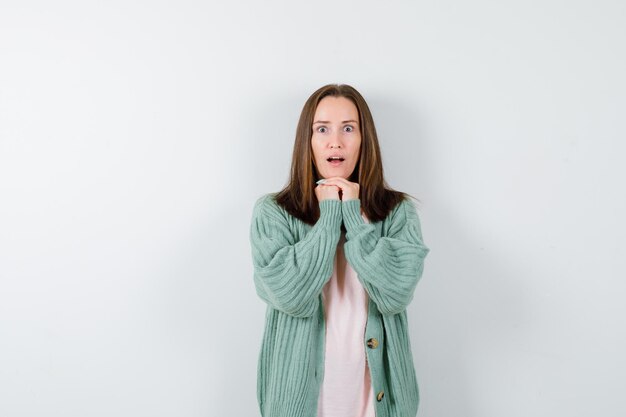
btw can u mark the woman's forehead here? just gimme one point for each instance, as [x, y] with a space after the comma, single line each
[336, 109]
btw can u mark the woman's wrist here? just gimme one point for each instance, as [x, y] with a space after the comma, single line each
[351, 212]
[330, 213]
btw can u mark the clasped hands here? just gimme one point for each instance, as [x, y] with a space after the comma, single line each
[337, 188]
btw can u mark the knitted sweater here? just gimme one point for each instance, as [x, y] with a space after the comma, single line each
[292, 263]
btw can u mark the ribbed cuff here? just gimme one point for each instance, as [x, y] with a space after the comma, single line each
[330, 213]
[351, 210]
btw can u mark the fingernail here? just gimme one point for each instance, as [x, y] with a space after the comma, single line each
[322, 181]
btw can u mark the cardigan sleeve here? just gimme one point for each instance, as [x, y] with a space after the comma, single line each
[289, 275]
[390, 266]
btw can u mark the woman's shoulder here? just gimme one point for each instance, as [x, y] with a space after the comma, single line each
[266, 205]
[405, 206]
[264, 199]
[404, 211]
[408, 206]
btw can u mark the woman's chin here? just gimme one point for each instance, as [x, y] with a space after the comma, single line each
[331, 175]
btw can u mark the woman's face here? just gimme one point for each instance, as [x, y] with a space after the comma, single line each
[336, 140]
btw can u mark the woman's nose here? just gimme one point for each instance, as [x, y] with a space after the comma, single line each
[335, 140]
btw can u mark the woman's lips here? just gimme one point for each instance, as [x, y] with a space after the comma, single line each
[335, 160]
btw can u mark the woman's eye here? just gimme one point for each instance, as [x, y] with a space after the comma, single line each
[348, 129]
[322, 129]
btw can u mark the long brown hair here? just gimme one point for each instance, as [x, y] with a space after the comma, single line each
[298, 197]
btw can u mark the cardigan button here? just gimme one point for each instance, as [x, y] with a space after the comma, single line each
[372, 343]
[380, 396]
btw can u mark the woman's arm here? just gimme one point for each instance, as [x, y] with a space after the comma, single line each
[389, 267]
[290, 275]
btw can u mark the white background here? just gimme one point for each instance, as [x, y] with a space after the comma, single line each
[135, 137]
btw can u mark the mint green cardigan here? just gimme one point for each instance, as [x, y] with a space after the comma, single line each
[292, 262]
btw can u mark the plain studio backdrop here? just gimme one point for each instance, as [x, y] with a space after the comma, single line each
[135, 137]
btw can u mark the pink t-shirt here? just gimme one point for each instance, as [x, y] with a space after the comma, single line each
[346, 390]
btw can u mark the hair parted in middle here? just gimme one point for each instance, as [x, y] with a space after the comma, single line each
[298, 196]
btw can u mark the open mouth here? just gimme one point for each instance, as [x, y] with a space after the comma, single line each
[335, 160]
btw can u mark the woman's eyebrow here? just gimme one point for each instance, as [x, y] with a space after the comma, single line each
[326, 121]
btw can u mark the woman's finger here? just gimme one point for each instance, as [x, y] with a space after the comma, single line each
[338, 181]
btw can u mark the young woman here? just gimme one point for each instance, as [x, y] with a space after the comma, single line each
[337, 262]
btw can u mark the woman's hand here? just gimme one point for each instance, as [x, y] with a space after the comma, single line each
[349, 190]
[327, 192]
